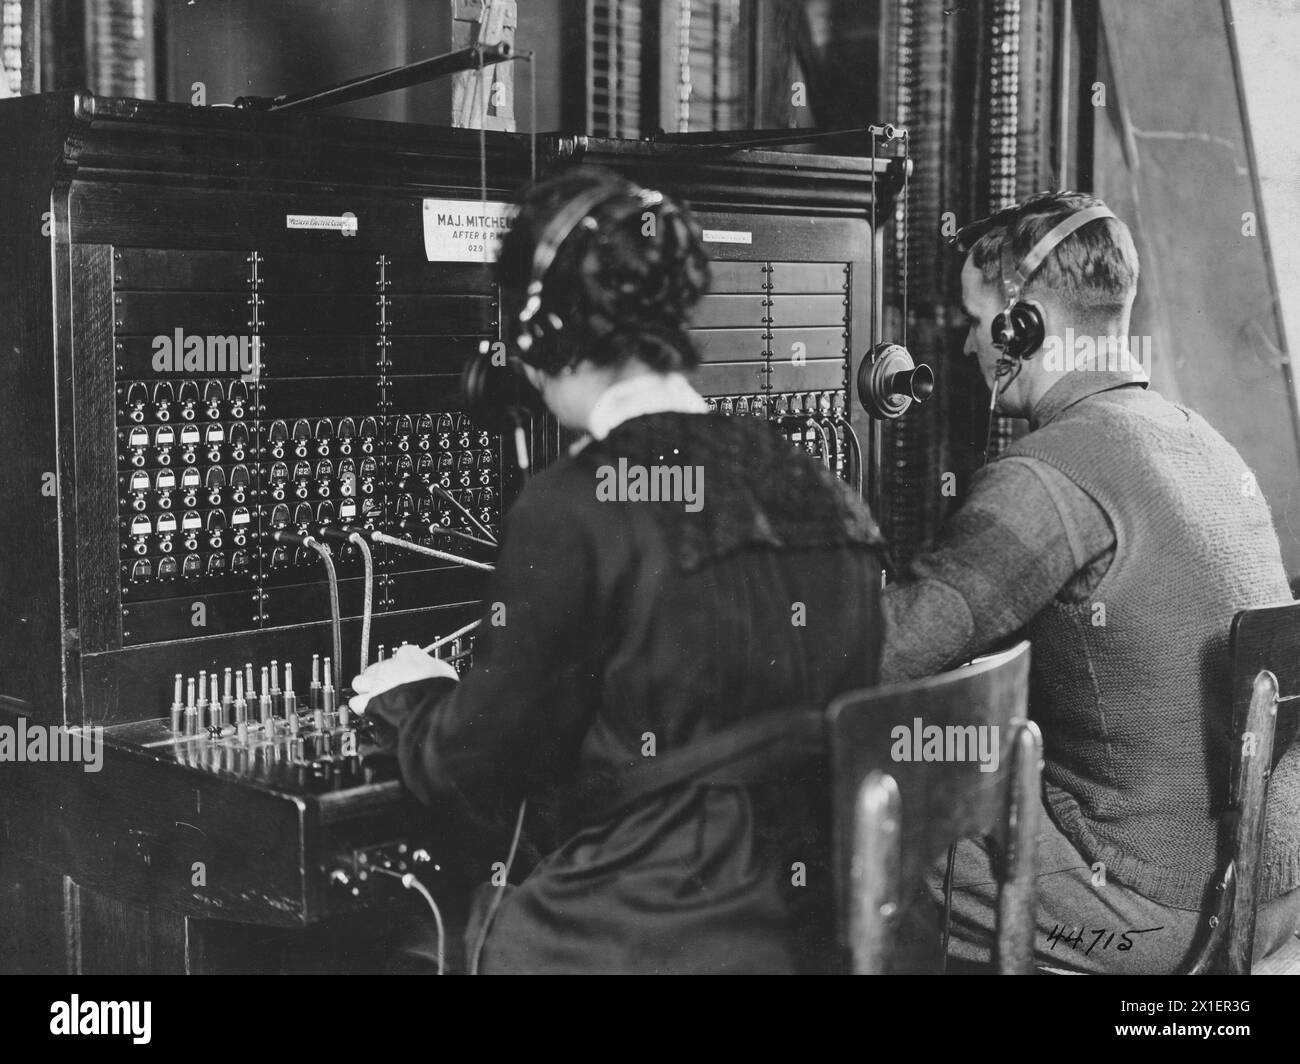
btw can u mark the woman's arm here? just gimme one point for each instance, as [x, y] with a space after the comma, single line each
[516, 720]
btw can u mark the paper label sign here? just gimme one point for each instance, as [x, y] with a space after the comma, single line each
[727, 236]
[345, 223]
[465, 230]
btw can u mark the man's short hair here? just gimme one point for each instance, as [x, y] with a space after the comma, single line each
[1095, 268]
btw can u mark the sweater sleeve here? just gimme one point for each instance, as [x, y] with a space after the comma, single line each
[1023, 534]
[512, 724]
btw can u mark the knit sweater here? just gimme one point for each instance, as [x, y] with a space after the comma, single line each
[1132, 688]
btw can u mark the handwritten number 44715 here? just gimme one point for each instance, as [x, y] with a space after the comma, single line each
[1077, 937]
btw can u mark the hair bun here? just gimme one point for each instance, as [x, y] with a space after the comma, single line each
[623, 286]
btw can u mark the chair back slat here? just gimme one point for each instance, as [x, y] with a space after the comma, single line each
[955, 746]
[1265, 640]
[1265, 647]
[1252, 762]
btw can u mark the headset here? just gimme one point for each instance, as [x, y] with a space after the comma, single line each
[532, 326]
[504, 401]
[1019, 330]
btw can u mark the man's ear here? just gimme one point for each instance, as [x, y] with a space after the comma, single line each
[1046, 310]
[1053, 315]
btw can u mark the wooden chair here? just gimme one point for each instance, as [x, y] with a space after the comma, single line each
[895, 818]
[1265, 663]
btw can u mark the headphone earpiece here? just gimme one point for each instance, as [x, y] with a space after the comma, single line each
[494, 396]
[1019, 330]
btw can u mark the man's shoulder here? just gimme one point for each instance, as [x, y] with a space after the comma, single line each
[1122, 418]
[1025, 494]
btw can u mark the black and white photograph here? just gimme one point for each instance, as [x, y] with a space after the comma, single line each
[650, 487]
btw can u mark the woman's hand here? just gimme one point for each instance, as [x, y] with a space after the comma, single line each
[407, 665]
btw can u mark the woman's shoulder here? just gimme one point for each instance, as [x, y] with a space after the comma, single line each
[566, 486]
[743, 484]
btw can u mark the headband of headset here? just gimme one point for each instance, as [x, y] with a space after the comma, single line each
[573, 214]
[1015, 277]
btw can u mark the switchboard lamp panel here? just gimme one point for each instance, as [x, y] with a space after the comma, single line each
[293, 396]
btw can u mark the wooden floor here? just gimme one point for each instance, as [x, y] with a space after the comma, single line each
[1285, 961]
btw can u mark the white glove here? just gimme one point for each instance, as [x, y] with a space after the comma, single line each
[407, 665]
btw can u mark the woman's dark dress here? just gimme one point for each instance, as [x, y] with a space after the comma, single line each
[615, 628]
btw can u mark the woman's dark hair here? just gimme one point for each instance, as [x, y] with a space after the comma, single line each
[622, 284]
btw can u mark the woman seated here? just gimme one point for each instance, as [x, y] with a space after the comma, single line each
[674, 603]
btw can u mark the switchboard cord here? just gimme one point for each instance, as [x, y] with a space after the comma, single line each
[490, 915]
[437, 491]
[437, 643]
[466, 536]
[817, 427]
[417, 548]
[478, 525]
[835, 461]
[332, 575]
[368, 608]
[411, 883]
[889, 566]
[857, 454]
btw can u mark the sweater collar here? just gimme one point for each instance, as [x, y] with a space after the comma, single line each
[650, 393]
[1078, 385]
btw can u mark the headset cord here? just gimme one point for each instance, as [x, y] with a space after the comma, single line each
[1005, 367]
[947, 905]
[490, 915]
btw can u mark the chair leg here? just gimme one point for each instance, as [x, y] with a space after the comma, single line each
[1250, 795]
[874, 873]
[1213, 956]
[1017, 895]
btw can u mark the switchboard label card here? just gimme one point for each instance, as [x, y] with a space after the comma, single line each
[345, 223]
[465, 230]
[727, 236]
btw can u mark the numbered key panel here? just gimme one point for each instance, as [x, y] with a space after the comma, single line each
[263, 391]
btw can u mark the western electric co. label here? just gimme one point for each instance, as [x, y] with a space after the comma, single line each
[728, 236]
[345, 223]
